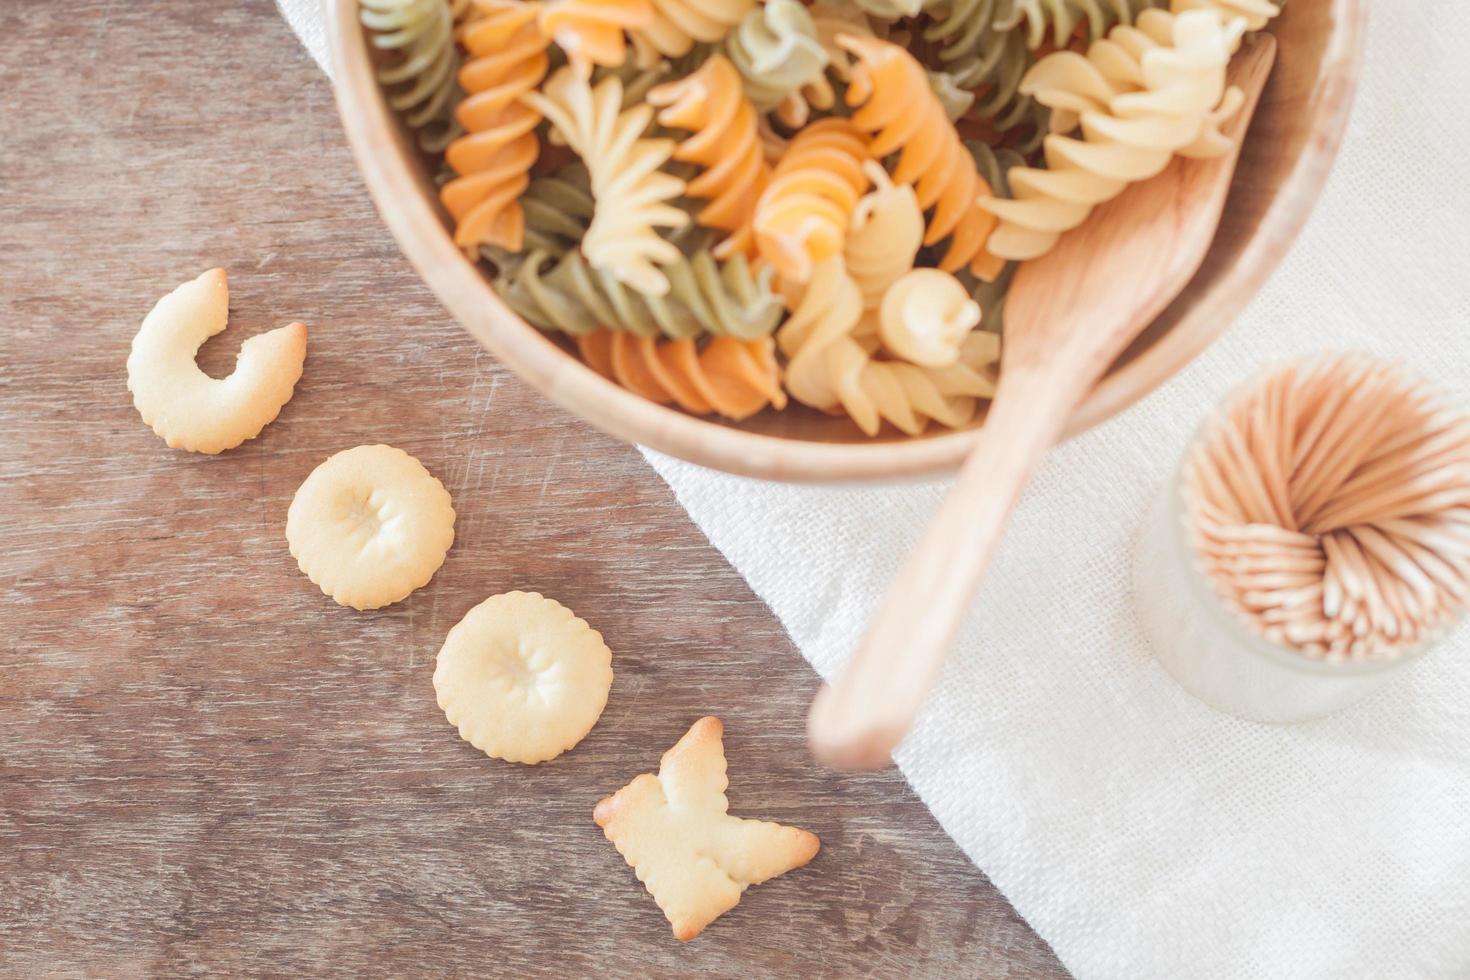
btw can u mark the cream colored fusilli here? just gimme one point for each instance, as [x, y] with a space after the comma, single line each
[632, 194]
[1257, 13]
[1141, 95]
[925, 317]
[830, 369]
[886, 232]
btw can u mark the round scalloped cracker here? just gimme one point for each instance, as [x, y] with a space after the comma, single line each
[522, 678]
[370, 525]
[186, 407]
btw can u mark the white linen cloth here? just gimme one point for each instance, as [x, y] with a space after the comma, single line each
[1141, 833]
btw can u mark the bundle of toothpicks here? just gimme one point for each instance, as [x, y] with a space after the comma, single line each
[1328, 504]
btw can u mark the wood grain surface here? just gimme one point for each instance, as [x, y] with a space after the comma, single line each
[206, 767]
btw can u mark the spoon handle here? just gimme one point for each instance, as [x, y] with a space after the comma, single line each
[857, 720]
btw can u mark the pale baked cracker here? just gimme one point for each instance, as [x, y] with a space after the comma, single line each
[522, 678]
[370, 525]
[186, 407]
[692, 856]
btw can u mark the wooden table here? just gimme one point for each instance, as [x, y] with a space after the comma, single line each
[205, 765]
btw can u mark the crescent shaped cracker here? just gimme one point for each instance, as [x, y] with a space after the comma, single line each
[186, 407]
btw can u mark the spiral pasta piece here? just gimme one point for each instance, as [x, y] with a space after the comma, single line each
[632, 196]
[824, 313]
[991, 61]
[795, 107]
[1067, 17]
[831, 369]
[803, 215]
[886, 232]
[925, 317]
[723, 376]
[725, 144]
[591, 32]
[705, 297]
[420, 75]
[1141, 95]
[493, 159]
[776, 50]
[1257, 13]
[909, 396]
[677, 25]
[895, 105]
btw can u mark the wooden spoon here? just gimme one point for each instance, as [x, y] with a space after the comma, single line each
[1069, 315]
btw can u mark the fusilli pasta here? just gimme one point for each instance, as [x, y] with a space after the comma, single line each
[1142, 95]
[725, 376]
[829, 20]
[1257, 13]
[726, 146]
[420, 78]
[632, 195]
[895, 105]
[776, 50]
[677, 25]
[591, 32]
[493, 159]
[829, 369]
[984, 58]
[925, 317]
[886, 232]
[1067, 17]
[803, 216]
[705, 296]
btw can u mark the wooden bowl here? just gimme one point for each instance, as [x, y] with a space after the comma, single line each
[1287, 155]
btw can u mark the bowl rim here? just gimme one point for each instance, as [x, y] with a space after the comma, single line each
[416, 225]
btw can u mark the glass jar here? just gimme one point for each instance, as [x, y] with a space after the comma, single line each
[1214, 653]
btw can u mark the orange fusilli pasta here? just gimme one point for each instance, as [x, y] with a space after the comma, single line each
[726, 376]
[896, 106]
[803, 216]
[493, 159]
[725, 144]
[591, 32]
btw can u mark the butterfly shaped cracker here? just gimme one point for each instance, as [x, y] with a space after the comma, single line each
[692, 856]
